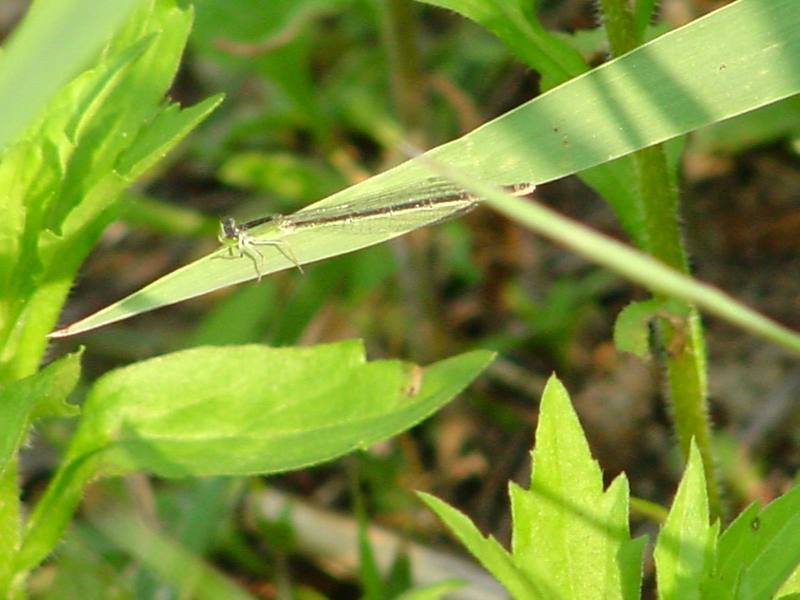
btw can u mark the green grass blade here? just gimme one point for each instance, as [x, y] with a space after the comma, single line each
[628, 262]
[679, 82]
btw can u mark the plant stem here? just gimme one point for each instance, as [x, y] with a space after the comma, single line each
[9, 525]
[681, 340]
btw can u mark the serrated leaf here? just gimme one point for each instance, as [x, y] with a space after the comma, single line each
[161, 134]
[686, 543]
[41, 395]
[570, 538]
[567, 530]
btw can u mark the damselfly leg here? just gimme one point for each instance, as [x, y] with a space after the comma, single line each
[240, 244]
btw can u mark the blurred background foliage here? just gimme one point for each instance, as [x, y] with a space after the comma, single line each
[312, 87]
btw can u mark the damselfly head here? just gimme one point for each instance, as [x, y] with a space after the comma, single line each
[228, 230]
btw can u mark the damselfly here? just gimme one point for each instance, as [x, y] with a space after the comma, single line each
[437, 199]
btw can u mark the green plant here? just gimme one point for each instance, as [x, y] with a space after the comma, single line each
[61, 181]
[247, 409]
[571, 538]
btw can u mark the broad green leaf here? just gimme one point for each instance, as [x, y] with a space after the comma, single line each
[759, 550]
[679, 82]
[570, 538]
[631, 328]
[250, 409]
[685, 548]
[567, 530]
[239, 410]
[487, 550]
[29, 75]
[40, 395]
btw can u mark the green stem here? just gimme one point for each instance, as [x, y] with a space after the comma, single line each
[10, 523]
[681, 341]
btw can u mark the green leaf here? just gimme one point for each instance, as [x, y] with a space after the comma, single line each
[520, 29]
[567, 530]
[41, 395]
[59, 184]
[570, 538]
[557, 61]
[110, 137]
[161, 134]
[71, 31]
[251, 409]
[685, 548]
[759, 550]
[679, 82]
[632, 330]
[239, 410]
